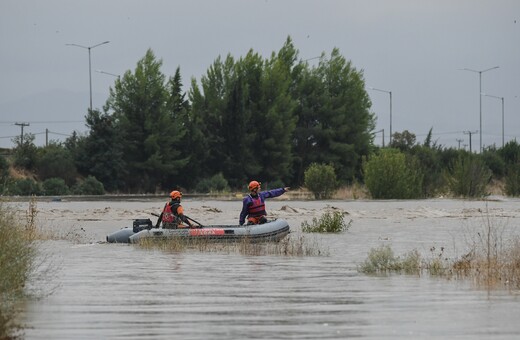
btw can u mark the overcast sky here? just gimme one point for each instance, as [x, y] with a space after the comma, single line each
[414, 48]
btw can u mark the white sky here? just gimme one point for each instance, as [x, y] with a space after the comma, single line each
[414, 48]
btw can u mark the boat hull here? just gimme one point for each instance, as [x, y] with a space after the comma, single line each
[272, 231]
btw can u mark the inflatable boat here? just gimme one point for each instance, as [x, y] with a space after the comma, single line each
[272, 231]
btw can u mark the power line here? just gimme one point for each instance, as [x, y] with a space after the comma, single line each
[45, 122]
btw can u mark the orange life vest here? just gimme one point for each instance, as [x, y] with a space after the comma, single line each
[171, 213]
[256, 210]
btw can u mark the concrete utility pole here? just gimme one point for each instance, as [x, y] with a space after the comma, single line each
[469, 133]
[390, 93]
[21, 135]
[383, 131]
[480, 95]
[89, 65]
[460, 141]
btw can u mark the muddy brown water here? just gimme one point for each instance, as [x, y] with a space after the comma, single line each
[115, 291]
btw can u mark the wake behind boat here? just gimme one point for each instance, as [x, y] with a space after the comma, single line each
[272, 231]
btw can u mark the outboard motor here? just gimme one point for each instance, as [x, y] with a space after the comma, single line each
[141, 224]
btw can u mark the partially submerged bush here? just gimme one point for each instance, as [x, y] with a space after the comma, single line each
[383, 260]
[492, 261]
[328, 223]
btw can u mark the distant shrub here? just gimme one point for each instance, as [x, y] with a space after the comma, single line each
[55, 161]
[4, 175]
[89, 186]
[510, 153]
[320, 179]
[328, 223]
[494, 162]
[430, 166]
[55, 186]
[24, 187]
[216, 183]
[390, 175]
[468, 176]
[513, 180]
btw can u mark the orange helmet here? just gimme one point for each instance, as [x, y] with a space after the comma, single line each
[175, 194]
[254, 185]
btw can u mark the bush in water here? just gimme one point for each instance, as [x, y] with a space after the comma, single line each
[328, 223]
[383, 260]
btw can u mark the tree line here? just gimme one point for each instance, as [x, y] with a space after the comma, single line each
[268, 119]
[251, 117]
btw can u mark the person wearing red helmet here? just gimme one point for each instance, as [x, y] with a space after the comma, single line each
[253, 205]
[172, 215]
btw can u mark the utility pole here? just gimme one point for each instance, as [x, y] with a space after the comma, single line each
[469, 133]
[460, 141]
[383, 131]
[21, 135]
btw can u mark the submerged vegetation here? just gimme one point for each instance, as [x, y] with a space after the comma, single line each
[492, 260]
[329, 222]
[289, 246]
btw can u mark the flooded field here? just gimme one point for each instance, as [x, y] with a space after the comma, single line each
[116, 291]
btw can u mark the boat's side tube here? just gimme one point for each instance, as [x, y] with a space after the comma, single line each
[120, 236]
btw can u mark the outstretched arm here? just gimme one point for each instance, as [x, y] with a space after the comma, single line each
[274, 192]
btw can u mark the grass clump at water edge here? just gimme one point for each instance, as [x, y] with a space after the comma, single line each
[17, 261]
[493, 260]
[288, 246]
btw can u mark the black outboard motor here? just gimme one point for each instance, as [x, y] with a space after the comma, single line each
[141, 224]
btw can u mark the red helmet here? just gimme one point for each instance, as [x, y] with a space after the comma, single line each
[175, 194]
[254, 185]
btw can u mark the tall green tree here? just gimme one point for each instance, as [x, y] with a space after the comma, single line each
[25, 153]
[335, 123]
[178, 108]
[140, 105]
[56, 161]
[100, 153]
[241, 160]
[277, 120]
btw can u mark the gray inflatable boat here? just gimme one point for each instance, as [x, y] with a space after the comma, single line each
[272, 231]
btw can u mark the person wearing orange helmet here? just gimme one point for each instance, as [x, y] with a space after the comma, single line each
[253, 205]
[172, 215]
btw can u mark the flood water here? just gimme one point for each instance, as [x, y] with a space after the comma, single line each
[115, 291]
